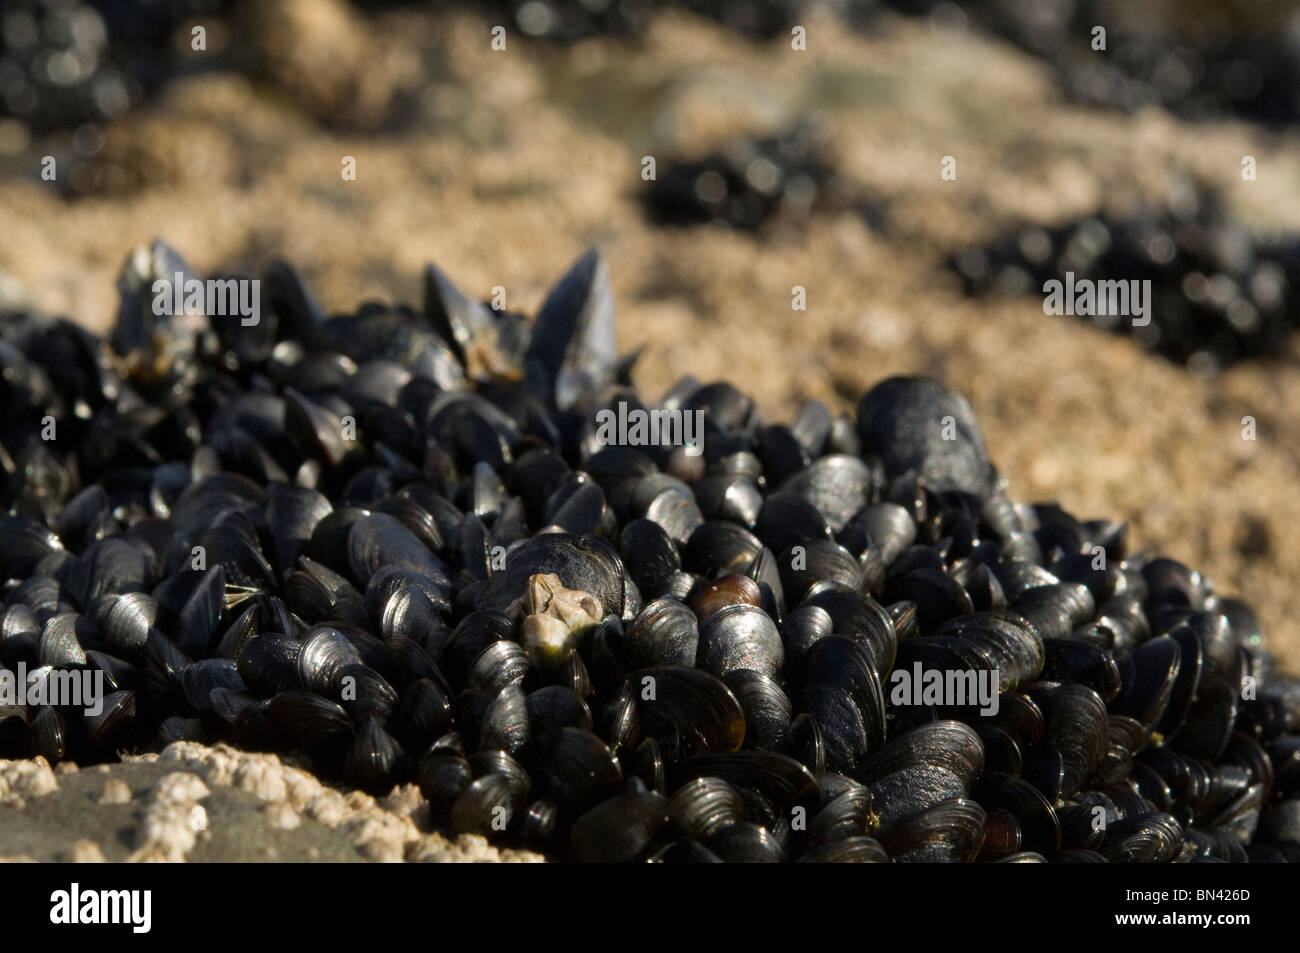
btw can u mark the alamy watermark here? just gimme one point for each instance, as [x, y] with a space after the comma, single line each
[216, 297]
[952, 687]
[637, 427]
[1127, 298]
[61, 688]
[77, 906]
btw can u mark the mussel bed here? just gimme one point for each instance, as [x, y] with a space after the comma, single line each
[398, 544]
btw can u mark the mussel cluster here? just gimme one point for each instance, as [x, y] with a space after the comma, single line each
[397, 543]
[567, 21]
[1195, 67]
[68, 62]
[1220, 291]
[751, 183]
[1196, 71]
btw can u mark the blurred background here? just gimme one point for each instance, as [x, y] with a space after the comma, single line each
[1170, 155]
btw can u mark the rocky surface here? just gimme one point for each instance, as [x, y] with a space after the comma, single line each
[194, 803]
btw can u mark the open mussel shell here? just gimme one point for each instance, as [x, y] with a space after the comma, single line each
[571, 352]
